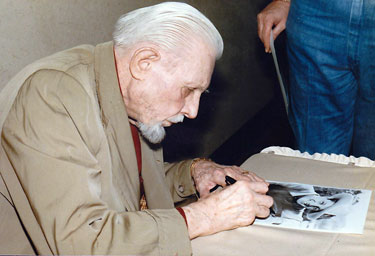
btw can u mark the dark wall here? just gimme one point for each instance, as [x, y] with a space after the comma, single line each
[243, 83]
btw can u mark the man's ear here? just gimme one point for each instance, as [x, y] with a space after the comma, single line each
[142, 61]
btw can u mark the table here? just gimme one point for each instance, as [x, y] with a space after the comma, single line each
[261, 240]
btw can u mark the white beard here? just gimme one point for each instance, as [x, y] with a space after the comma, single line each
[153, 133]
[156, 133]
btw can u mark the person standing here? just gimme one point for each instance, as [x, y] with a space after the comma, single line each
[331, 54]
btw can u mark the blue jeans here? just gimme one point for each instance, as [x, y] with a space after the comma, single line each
[331, 53]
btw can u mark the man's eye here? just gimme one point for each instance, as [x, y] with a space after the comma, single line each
[187, 91]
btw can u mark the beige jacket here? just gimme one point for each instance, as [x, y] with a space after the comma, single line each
[69, 164]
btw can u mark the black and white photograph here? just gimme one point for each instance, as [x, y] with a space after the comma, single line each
[310, 207]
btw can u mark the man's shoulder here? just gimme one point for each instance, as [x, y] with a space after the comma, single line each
[75, 64]
[66, 59]
[65, 75]
[65, 72]
[63, 61]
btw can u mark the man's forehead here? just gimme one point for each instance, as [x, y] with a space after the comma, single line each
[199, 75]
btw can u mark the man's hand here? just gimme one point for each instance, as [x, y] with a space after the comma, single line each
[207, 174]
[275, 14]
[234, 206]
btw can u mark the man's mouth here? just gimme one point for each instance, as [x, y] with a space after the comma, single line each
[167, 123]
[173, 120]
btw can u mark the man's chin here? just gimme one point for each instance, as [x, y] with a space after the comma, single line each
[153, 133]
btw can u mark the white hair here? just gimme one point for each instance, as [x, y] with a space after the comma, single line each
[168, 24]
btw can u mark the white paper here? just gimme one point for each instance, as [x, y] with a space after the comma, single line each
[317, 208]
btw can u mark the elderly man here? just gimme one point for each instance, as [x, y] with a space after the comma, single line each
[81, 178]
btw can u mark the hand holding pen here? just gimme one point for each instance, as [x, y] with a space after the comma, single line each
[228, 181]
[207, 175]
[235, 206]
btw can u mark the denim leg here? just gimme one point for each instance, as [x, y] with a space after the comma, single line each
[322, 86]
[364, 125]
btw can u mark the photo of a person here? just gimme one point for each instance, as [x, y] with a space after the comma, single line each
[326, 212]
[285, 206]
[312, 207]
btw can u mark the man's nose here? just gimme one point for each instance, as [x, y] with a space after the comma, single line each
[191, 107]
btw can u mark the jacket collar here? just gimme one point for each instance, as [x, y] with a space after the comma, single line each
[116, 125]
[117, 128]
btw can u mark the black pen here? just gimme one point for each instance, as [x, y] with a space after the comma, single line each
[228, 180]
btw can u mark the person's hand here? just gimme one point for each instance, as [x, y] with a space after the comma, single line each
[207, 174]
[275, 14]
[234, 206]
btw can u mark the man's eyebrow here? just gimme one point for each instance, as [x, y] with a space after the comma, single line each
[196, 86]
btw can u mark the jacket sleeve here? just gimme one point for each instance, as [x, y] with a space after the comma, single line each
[180, 182]
[54, 159]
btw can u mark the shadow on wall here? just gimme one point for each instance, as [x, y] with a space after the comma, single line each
[269, 127]
[244, 112]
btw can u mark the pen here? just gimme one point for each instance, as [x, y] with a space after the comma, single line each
[228, 180]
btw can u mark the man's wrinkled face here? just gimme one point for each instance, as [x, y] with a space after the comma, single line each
[172, 89]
